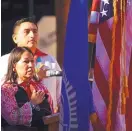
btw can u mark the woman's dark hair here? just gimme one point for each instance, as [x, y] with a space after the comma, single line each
[14, 57]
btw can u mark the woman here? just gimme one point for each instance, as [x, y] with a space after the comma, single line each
[24, 101]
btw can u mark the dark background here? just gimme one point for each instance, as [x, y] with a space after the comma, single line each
[12, 10]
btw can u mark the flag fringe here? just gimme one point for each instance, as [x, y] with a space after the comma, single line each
[125, 91]
[115, 19]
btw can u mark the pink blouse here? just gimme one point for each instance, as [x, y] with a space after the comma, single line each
[10, 111]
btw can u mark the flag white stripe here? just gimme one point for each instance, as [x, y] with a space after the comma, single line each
[100, 105]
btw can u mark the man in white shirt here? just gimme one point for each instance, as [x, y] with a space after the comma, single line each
[25, 33]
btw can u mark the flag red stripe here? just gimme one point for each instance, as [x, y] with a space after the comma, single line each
[115, 97]
[118, 38]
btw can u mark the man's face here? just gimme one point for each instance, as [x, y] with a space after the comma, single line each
[26, 35]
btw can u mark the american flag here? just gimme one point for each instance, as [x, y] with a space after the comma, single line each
[100, 32]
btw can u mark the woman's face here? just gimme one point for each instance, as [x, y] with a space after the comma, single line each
[25, 66]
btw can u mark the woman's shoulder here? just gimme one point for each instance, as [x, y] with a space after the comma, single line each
[9, 87]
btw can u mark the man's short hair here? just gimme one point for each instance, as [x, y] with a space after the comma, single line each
[19, 22]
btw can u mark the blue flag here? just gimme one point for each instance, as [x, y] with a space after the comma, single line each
[77, 103]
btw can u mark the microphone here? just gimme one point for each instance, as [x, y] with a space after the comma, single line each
[52, 73]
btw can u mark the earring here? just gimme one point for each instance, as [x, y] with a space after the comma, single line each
[14, 70]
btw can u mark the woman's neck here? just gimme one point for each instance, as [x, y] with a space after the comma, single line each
[19, 81]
